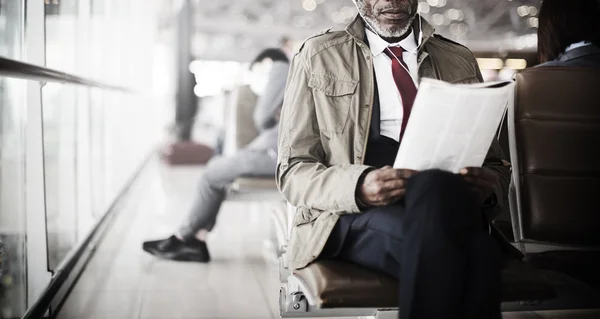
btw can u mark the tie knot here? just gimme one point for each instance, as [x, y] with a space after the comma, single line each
[396, 51]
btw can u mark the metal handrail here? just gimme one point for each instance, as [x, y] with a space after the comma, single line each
[22, 70]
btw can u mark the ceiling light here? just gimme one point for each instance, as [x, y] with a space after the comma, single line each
[516, 64]
[490, 64]
[309, 5]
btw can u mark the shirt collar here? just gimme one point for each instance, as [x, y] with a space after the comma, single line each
[575, 45]
[377, 44]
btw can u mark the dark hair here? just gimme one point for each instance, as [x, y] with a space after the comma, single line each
[562, 23]
[273, 54]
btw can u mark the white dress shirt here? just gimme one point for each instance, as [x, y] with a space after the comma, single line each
[389, 97]
[577, 45]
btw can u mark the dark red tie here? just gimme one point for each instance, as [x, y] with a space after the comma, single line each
[404, 83]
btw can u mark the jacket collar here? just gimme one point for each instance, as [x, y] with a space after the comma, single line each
[356, 29]
[378, 45]
[579, 53]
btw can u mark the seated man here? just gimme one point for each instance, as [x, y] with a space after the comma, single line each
[347, 103]
[569, 33]
[256, 159]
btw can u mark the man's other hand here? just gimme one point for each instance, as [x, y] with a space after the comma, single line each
[482, 181]
[384, 186]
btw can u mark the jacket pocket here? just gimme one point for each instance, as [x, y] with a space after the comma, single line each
[333, 98]
[304, 216]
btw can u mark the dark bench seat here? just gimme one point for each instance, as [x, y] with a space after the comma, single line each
[338, 284]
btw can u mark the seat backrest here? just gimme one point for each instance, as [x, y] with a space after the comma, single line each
[245, 104]
[240, 127]
[503, 220]
[554, 129]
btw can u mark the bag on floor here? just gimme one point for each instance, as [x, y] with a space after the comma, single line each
[187, 153]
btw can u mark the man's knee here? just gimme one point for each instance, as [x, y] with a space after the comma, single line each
[387, 220]
[217, 171]
[443, 187]
[436, 181]
[444, 200]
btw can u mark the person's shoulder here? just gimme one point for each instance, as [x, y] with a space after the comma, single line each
[451, 47]
[323, 40]
[550, 64]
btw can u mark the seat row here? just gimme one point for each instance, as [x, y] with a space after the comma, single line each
[551, 133]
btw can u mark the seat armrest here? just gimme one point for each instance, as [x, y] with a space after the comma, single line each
[246, 184]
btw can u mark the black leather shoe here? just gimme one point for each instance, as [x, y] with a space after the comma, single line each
[174, 249]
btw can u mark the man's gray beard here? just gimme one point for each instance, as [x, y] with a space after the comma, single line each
[372, 23]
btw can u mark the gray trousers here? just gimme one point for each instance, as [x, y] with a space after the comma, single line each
[219, 173]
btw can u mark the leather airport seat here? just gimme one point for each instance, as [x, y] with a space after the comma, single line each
[338, 284]
[556, 135]
[557, 132]
[243, 102]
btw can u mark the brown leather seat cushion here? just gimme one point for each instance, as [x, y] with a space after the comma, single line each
[338, 284]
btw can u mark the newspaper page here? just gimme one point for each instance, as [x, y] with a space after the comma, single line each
[452, 126]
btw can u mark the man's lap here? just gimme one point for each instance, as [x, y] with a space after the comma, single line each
[372, 239]
[439, 211]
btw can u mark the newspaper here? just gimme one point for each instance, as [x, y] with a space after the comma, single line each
[452, 126]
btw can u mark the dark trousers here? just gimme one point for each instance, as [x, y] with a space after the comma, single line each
[436, 243]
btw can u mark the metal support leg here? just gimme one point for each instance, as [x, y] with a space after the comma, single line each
[292, 303]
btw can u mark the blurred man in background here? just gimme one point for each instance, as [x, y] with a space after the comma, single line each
[569, 33]
[257, 159]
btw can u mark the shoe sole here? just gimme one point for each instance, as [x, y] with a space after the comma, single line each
[176, 257]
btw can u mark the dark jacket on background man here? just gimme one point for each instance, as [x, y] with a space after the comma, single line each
[586, 56]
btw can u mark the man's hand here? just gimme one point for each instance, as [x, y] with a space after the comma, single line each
[384, 186]
[482, 181]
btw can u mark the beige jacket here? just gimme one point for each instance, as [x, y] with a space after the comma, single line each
[325, 123]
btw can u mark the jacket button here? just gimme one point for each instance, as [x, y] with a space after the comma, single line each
[366, 106]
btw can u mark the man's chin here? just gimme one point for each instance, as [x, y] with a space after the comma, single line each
[396, 28]
[387, 29]
[393, 31]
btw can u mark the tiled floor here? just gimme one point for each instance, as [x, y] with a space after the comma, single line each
[122, 282]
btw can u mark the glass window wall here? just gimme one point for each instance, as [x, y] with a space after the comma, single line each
[60, 105]
[12, 200]
[94, 139]
[11, 28]
[13, 249]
